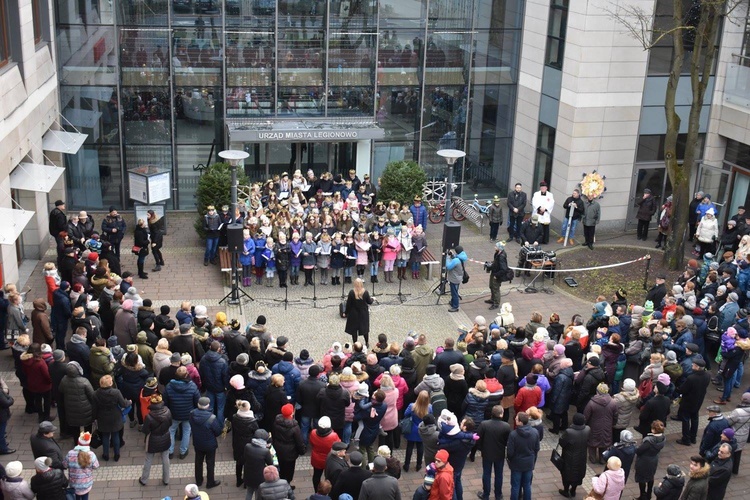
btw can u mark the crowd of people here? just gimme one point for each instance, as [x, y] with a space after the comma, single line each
[182, 377]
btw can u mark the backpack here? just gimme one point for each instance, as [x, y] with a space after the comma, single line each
[712, 329]
[439, 402]
[646, 354]
[509, 275]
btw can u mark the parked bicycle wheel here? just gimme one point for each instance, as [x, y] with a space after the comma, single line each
[457, 215]
[436, 214]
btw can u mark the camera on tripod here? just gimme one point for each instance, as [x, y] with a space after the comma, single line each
[487, 266]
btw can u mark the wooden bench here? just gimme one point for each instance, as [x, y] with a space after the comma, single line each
[225, 264]
[429, 260]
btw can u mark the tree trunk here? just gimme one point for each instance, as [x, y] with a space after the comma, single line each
[701, 62]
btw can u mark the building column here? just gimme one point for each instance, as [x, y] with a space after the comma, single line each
[364, 157]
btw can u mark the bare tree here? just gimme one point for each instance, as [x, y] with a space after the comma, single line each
[694, 35]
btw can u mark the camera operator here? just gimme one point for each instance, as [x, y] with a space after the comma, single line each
[531, 235]
[454, 264]
[498, 273]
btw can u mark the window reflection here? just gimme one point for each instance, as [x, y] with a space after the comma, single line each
[197, 56]
[146, 115]
[144, 57]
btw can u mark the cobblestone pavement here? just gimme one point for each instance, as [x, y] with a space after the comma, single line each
[315, 327]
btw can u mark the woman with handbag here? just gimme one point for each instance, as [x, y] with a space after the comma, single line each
[572, 461]
[140, 246]
[415, 412]
[609, 484]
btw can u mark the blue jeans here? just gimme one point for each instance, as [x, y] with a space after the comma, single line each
[218, 400]
[728, 386]
[573, 226]
[347, 433]
[487, 466]
[348, 272]
[400, 263]
[458, 487]
[212, 245]
[115, 441]
[185, 435]
[454, 295]
[307, 423]
[374, 268]
[520, 480]
[415, 266]
[738, 374]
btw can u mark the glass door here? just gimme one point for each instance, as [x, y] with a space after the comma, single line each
[715, 181]
[653, 177]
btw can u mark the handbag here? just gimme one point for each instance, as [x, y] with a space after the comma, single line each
[465, 278]
[96, 439]
[645, 388]
[556, 459]
[136, 249]
[405, 425]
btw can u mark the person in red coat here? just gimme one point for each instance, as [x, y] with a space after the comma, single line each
[529, 395]
[443, 487]
[38, 380]
[321, 443]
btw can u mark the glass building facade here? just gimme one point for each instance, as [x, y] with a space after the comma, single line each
[160, 82]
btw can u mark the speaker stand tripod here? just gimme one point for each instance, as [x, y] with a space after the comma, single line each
[400, 295]
[314, 298]
[236, 291]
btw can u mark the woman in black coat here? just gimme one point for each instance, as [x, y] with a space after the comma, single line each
[244, 426]
[132, 378]
[573, 443]
[156, 428]
[274, 399]
[647, 459]
[560, 396]
[287, 441]
[357, 312]
[156, 228]
[140, 240]
[108, 402]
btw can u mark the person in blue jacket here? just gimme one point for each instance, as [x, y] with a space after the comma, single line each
[246, 257]
[260, 245]
[455, 274]
[205, 428]
[419, 212]
[61, 313]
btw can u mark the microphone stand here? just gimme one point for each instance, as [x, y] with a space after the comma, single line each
[314, 298]
[286, 300]
[400, 295]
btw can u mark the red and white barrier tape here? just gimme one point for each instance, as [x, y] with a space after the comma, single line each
[547, 269]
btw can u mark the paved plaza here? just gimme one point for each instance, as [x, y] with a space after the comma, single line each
[314, 325]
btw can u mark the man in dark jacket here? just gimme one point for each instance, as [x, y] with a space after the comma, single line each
[693, 391]
[448, 357]
[307, 397]
[78, 350]
[721, 473]
[205, 427]
[712, 433]
[656, 408]
[48, 483]
[235, 343]
[333, 401]
[493, 437]
[214, 372]
[43, 444]
[291, 375]
[459, 450]
[186, 343]
[61, 313]
[211, 226]
[350, 479]
[498, 273]
[523, 447]
[657, 292]
[586, 382]
[257, 456]
[380, 486]
[336, 462]
[516, 212]
[113, 226]
[646, 209]
[181, 396]
[57, 219]
[56, 373]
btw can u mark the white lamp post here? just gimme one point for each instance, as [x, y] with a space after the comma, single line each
[450, 155]
[234, 157]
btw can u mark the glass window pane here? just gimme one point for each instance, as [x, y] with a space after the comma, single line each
[398, 112]
[89, 12]
[492, 111]
[402, 13]
[447, 61]
[495, 57]
[196, 59]
[302, 14]
[142, 13]
[450, 14]
[93, 177]
[146, 115]
[555, 52]
[660, 60]
[351, 59]
[251, 13]
[87, 55]
[352, 101]
[301, 58]
[443, 121]
[400, 57]
[355, 14]
[189, 156]
[144, 57]
[487, 171]
[250, 74]
[301, 101]
[93, 111]
[198, 115]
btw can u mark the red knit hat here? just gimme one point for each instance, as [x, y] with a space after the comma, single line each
[287, 410]
[442, 455]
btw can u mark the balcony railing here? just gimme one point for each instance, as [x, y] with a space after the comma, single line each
[737, 84]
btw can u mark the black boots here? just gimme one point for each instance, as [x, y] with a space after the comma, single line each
[141, 274]
[348, 280]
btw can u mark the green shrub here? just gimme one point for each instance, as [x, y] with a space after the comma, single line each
[401, 181]
[214, 188]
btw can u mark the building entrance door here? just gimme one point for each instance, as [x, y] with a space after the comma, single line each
[653, 177]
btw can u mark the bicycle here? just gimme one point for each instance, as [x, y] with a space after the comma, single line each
[483, 210]
[436, 213]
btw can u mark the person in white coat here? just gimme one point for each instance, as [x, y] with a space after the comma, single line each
[542, 204]
[707, 232]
